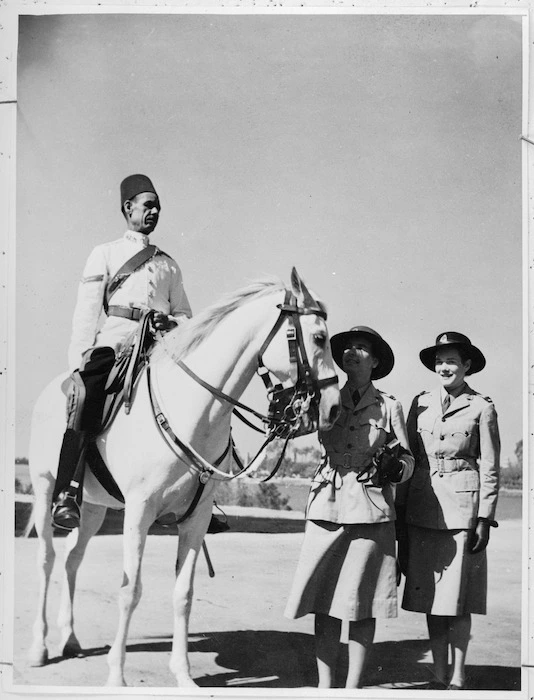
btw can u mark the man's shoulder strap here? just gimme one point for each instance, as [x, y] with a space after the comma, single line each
[130, 266]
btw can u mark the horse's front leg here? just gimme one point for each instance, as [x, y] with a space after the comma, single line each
[191, 536]
[38, 653]
[75, 546]
[137, 519]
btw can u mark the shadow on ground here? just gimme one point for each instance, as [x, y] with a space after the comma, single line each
[273, 659]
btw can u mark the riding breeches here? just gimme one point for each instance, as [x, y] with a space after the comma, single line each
[85, 405]
[87, 394]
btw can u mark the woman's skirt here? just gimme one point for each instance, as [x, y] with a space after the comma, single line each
[345, 571]
[443, 577]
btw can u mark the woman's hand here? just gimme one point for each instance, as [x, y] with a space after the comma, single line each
[389, 468]
[480, 537]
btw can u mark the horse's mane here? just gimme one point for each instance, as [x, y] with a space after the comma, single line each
[192, 332]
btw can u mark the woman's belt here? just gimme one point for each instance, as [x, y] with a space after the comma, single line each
[130, 312]
[446, 464]
[346, 460]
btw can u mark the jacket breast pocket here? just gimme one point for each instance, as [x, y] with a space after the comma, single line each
[373, 432]
[334, 438]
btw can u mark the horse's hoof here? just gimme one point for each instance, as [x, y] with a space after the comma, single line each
[72, 650]
[116, 682]
[186, 682]
[38, 657]
[70, 646]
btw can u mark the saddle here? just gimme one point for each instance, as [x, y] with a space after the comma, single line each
[128, 366]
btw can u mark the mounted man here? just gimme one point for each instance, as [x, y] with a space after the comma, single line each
[136, 277]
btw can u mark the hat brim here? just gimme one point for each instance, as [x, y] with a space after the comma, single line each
[478, 361]
[381, 350]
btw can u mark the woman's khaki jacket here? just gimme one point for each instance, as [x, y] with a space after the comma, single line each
[336, 494]
[456, 477]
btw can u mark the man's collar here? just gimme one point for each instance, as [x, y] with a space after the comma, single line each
[137, 237]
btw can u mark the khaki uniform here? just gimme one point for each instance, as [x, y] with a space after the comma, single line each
[157, 285]
[456, 480]
[337, 495]
[346, 567]
[456, 477]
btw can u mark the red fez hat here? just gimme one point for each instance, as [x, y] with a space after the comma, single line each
[135, 184]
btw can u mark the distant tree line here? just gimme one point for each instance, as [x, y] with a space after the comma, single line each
[298, 460]
[512, 474]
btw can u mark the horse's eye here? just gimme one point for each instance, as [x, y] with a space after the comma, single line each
[320, 339]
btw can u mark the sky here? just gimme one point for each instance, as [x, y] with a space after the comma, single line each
[379, 154]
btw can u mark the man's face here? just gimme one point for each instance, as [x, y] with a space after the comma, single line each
[142, 212]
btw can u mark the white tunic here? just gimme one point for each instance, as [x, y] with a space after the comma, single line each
[157, 285]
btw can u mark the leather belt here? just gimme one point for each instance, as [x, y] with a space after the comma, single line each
[443, 464]
[349, 461]
[129, 312]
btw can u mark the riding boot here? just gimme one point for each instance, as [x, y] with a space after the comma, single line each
[67, 496]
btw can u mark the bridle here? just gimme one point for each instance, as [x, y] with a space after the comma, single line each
[289, 407]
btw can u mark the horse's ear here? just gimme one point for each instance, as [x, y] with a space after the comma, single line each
[295, 281]
[300, 290]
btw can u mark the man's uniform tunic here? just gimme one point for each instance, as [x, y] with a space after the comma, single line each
[156, 285]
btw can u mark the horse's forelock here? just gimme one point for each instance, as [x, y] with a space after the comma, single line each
[192, 332]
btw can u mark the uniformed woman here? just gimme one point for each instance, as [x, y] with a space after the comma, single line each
[450, 502]
[346, 570]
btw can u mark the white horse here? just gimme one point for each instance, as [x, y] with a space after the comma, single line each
[221, 345]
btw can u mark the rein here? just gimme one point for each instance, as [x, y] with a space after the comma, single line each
[291, 404]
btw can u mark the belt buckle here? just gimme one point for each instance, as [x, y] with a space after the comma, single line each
[347, 460]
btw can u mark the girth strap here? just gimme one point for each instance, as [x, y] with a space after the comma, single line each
[105, 478]
[102, 473]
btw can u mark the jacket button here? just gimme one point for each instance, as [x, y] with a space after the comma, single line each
[440, 475]
[349, 445]
[352, 427]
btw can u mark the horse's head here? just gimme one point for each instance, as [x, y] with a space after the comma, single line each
[298, 353]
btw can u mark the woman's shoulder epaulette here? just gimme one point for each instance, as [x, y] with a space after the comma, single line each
[389, 396]
[475, 394]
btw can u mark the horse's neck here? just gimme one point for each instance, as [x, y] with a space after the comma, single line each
[226, 359]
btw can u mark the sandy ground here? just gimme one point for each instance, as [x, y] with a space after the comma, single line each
[239, 637]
